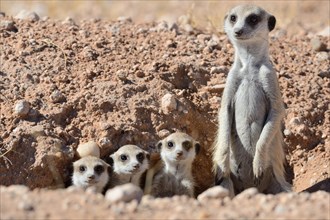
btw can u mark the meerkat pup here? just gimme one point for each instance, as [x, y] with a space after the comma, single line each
[177, 152]
[90, 171]
[129, 163]
[248, 148]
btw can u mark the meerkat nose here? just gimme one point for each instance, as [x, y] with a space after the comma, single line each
[91, 177]
[238, 33]
[136, 166]
[179, 153]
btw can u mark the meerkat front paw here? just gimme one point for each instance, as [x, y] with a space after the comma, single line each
[258, 169]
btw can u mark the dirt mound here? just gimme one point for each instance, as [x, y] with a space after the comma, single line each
[66, 82]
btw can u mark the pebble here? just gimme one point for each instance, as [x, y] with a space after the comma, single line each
[219, 69]
[216, 88]
[216, 192]
[247, 194]
[124, 193]
[325, 74]
[124, 19]
[57, 96]
[163, 133]
[322, 56]
[25, 205]
[8, 26]
[168, 103]
[318, 45]
[325, 32]
[27, 15]
[22, 108]
[89, 148]
[121, 75]
[37, 131]
[105, 142]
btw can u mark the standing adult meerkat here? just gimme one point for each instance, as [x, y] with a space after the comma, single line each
[249, 144]
[129, 163]
[90, 171]
[178, 152]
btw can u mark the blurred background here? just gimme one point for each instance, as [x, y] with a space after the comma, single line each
[301, 15]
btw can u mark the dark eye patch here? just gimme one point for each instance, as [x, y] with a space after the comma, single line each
[140, 157]
[253, 19]
[82, 168]
[187, 145]
[99, 169]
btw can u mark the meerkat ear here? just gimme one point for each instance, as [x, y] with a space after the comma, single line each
[147, 155]
[159, 145]
[271, 23]
[197, 147]
[111, 160]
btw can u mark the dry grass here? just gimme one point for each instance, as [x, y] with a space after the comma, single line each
[203, 14]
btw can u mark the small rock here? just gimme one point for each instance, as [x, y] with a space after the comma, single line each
[124, 19]
[122, 75]
[216, 192]
[216, 88]
[325, 32]
[163, 133]
[90, 148]
[22, 108]
[318, 45]
[188, 28]
[162, 26]
[37, 131]
[124, 193]
[140, 74]
[169, 103]
[247, 194]
[57, 97]
[219, 69]
[213, 43]
[25, 205]
[105, 142]
[322, 56]
[26, 15]
[69, 21]
[325, 74]
[8, 26]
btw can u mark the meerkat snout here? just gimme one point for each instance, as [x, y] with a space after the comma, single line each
[246, 22]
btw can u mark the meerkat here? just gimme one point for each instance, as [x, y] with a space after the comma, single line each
[90, 171]
[129, 163]
[249, 144]
[177, 152]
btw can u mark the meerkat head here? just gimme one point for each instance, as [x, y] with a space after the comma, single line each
[178, 147]
[130, 160]
[90, 171]
[248, 23]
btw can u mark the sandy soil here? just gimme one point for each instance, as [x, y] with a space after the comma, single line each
[68, 82]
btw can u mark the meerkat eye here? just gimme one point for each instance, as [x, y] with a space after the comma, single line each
[170, 144]
[82, 168]
[123, 157]
[99, 169]
[140, 157]
[253, 20]
[233, 18]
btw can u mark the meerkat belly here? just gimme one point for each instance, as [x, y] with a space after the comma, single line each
[250, 114]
